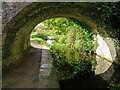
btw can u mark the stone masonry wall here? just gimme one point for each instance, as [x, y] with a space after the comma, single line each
[18, 23]
[10, 9]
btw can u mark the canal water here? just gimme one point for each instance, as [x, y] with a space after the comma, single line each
[89, 80]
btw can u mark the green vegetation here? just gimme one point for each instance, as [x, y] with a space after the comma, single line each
[115, 85]
[69, 62]
[72, 33]
[71, 50]
[39, 37]
[110, 13]
[110, 16]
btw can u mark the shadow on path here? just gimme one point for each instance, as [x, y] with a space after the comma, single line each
[32, 72]
[25, 74]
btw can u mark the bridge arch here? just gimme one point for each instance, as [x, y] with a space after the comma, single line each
[16, 33]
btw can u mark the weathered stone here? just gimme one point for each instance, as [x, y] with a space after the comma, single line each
[20, 18]
[11, 10]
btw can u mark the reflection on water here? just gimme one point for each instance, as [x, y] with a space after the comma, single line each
[102, 64]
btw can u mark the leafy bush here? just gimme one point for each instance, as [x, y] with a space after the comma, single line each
[72, 46]
[38, 35]
[40, 40]
[115, 85]
[67, 70]
[68, 62]
[72, 33]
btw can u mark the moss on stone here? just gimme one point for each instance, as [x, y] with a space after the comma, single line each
[17, 32]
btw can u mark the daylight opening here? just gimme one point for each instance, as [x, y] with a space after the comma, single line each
[74, 48]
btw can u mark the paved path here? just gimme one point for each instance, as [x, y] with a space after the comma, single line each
[35, 70]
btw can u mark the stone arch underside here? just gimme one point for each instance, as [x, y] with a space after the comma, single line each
[16, 33]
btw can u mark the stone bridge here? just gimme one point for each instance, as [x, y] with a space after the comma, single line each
[19, 19]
